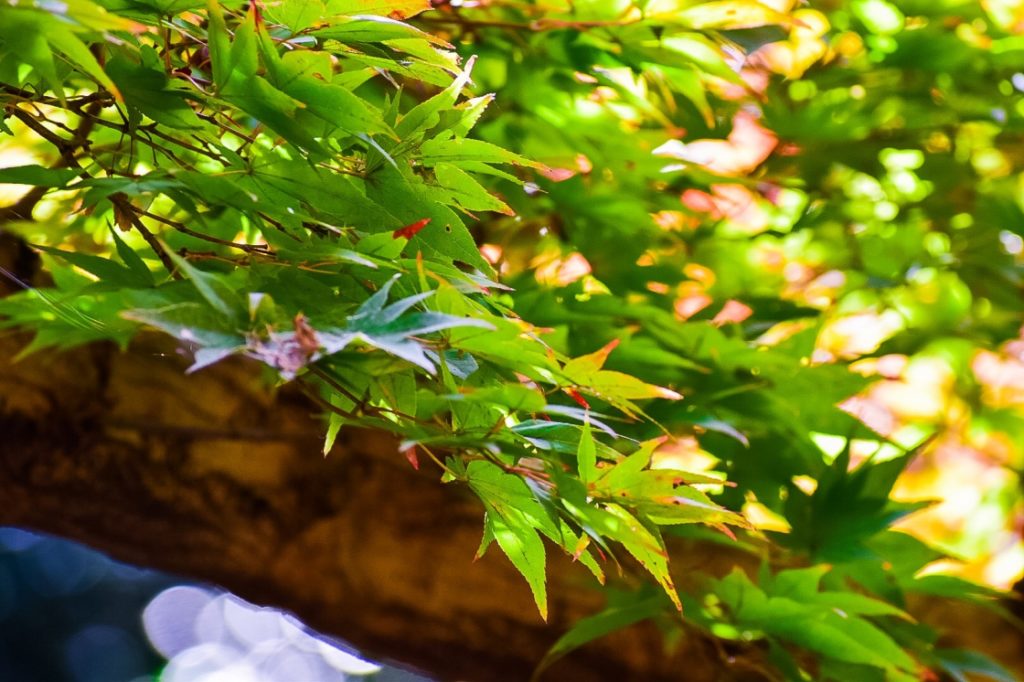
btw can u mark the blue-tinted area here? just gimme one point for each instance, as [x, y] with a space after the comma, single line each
[69, 614]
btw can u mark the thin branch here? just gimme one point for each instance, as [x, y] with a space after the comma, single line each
[155, 130]
[64, 147]
[77, 106]
[279, 225]
[360, 402]
[73, 103]
[260, 249]
[124, 206]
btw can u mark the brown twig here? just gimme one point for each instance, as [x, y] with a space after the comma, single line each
[124, 206]
[260, 249]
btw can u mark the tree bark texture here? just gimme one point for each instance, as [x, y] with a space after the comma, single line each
[215, 477]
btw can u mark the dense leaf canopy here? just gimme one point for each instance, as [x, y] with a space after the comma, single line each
[628, 271]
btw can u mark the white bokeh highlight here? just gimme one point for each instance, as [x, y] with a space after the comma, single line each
[212, 637]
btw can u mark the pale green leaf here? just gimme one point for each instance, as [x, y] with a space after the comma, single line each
[586, 455]
[525, 550]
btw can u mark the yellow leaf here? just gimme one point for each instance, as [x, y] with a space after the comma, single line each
[732, 14]
[395, 9]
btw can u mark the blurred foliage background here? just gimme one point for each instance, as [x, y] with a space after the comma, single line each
[864, 203]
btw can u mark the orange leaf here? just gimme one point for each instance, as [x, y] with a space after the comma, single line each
[575, 395]
[411, 229]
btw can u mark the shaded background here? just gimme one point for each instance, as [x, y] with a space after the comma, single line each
[68, 613]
